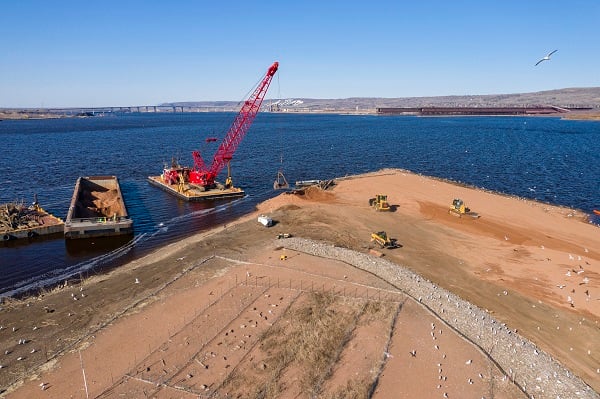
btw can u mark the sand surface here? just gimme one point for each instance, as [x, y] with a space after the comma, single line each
[233, 313]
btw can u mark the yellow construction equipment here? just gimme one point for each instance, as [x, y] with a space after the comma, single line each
[380, 202]
[458, 208]
[382, 239]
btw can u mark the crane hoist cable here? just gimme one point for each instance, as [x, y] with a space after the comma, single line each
[280, 181]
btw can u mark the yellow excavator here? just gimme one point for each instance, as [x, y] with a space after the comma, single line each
[382, 239]
[380, 202]
[458, 208]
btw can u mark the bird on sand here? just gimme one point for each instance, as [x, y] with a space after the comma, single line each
[546, 58]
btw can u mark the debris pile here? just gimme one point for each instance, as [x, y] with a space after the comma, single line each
[14, 216]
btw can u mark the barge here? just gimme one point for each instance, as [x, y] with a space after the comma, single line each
[192, 192]
[307, 183]
[18, 221]
[97, 209]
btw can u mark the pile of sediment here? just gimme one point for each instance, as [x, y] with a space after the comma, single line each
[534, 371]
[93, 203]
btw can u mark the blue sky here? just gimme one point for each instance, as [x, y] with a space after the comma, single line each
[121, 53]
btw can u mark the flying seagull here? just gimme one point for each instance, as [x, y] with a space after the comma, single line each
[546, 58]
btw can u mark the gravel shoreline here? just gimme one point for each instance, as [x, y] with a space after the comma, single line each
[534, 371]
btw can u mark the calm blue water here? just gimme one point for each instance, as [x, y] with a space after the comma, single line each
[547, 159]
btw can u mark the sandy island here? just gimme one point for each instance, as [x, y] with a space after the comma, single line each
[504, 306]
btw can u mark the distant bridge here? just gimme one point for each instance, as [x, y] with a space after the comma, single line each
[92, 111]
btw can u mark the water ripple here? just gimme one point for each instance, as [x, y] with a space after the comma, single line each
[545, 159]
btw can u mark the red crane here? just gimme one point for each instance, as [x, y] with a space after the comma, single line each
[205, 176]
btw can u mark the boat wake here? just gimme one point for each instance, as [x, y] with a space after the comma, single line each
[163, 227]
[58, 276]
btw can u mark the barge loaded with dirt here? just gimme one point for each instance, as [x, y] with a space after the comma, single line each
[20, 221]
[97, 209]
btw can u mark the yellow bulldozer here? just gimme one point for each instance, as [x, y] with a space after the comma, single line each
[381, 238]
[458, 208]
[380, 202]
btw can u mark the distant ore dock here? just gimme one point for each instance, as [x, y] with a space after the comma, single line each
[432, 111]
[97, 209]
[20, 221]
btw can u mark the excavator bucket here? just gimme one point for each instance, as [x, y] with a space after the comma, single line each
[280, 182]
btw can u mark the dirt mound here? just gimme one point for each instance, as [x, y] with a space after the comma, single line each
[317, 194]
[96, 203]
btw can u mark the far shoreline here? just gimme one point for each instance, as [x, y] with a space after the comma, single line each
[23, 115]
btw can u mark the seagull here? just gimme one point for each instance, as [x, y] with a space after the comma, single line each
[546, 58]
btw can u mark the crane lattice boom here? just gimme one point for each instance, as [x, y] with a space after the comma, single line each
[206, 176]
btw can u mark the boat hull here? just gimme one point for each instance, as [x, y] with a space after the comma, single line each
[191, 192]
[45, 224]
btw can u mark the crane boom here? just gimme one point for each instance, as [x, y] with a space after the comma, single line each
[206, 176]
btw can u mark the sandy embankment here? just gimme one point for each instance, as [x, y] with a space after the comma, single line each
[212, 315]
